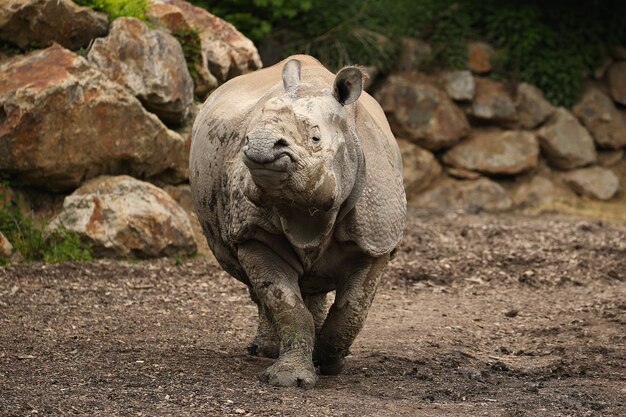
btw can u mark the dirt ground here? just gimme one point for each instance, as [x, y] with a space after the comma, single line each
[478, 315]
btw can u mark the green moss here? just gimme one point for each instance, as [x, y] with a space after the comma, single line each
[28, 238]
[190, 42]
[118, 8]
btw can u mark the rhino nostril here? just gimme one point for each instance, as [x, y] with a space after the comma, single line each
[246, 140]
[280, 143]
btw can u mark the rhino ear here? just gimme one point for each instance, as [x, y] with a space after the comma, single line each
[291, 74]
[348, 85]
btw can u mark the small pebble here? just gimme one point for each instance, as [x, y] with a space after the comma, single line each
[511, 313]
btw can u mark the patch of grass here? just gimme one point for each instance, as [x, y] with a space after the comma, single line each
[613, 211]
[190, 42]
[28, 237]
[118, 8]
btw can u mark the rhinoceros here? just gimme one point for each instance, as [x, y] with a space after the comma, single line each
[297, 182]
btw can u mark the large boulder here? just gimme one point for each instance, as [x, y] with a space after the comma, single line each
[492, 102]
[616, 76]
[479, 57]
[182, 195]
[459, 85]
[467, 195]
[532, 107]
[421, 112]
[419, 166]
[565, 142]
[6, 249]
[63, 121]
[598, 113]
[225, 52]
[123, 217]
[537, 191]
[150, 63]
[492, 151]
[595, 182]
[40, 22]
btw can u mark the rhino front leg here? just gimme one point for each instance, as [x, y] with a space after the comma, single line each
[347, 314]
[266, 342]
[275, 284]
[317, 305]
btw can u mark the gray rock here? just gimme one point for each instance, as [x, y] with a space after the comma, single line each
[479, 57]
[150, 63]
[595, 182]
[539, 190]
[459, 85]
[532, 107]
[6, 249]
[419, 111]
[600, 116]
[492, 102]
[419, 166]
[124, 217]
[492, 151]
[40, 22]
[467, 195]
[616, 77]
[565, 142]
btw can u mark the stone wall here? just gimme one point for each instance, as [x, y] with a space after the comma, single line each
[470, 142]
[95, 121]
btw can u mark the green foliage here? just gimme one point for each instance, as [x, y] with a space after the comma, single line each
[118, 8]
[551, 45]
[190, 42]
[28, 238]
[256, 18]
[548, 44]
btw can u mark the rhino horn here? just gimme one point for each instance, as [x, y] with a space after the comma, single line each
[291, 74]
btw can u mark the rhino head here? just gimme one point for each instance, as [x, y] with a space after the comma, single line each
[301, 149]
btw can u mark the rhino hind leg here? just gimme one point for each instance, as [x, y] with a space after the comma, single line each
[347, 316]
[266, 342]
[318, 307]
[275, 285]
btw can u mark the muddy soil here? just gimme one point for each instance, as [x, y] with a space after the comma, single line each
[477, 316]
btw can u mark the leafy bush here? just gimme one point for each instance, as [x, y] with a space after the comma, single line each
[28, 238]
[548, 44]
[118, 8]
[190, 42]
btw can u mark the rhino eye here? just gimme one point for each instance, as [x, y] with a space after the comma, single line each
[315, 138]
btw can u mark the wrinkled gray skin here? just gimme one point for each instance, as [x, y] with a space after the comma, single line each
[297, 182]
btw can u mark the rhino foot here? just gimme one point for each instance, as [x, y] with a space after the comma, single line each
[263, 347]
[330, 366]
[289, 373]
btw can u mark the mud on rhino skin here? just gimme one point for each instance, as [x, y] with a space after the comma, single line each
[297, 182]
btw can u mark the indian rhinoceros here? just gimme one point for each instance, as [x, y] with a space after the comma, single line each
[297, 182]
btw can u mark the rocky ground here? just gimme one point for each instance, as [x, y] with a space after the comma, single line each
[478, 315]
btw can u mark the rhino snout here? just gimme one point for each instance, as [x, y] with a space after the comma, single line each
[264, 149]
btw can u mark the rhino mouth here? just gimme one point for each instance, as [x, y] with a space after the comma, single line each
[282, 163]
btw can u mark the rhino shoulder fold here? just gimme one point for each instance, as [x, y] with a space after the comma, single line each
[377, 221]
